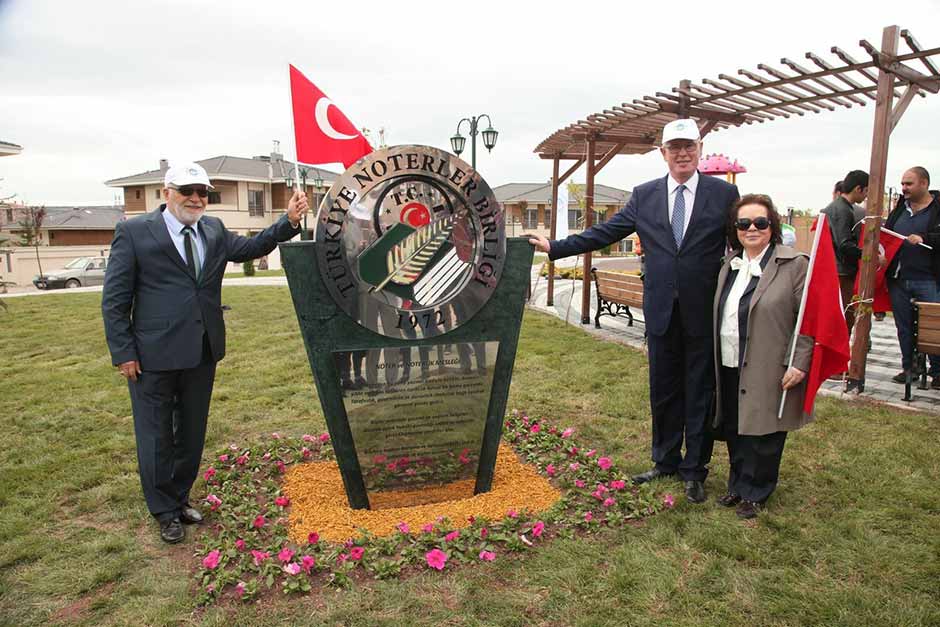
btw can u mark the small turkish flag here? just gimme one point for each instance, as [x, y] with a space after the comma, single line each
[322, 133]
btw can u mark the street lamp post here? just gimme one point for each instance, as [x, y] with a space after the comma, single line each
[458, 141]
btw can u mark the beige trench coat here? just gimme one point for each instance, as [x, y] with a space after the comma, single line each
[771, 321]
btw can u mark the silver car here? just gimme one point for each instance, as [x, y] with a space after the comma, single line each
[80, 272]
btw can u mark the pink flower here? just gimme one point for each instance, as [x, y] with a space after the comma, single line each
[537, 529]
[324, 438]
[484, 532]
[276, 435]
[567, 433]
[379, 459]
[210, 588]
[260, 557]
[572, 451]
[591, 453]
[618, 484]
[292, 569]
[341, 558]
[390, 467]
[313, 538]
[266, 457]
[285, 555]
[281, 466]
[223, 458]
[574, 466]
[487, 556]
[211, 560]
[535, 428]
[307, 562]
[453, 535]
[512, 514]
[550, 470]
[214, 502]
[306, 453]
[282, 501]
[259, 522]
[240, 544]
[210, 472]
[579, 483]
[604, 463]
[609, 501]
[411, 472]
[668, 500]
[241, 459]
[404, 528]
[598, 494]
[436, 559]
[588, 517]
[240, 589]
[356, 553]
[427, 528]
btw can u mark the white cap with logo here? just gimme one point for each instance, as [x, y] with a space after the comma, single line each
[186, 174]
[680, 129]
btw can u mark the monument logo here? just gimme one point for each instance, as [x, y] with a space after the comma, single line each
[410, 242]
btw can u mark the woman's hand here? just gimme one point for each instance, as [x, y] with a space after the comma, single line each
[792, 378]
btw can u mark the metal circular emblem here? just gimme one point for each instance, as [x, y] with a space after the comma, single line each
[410, 242]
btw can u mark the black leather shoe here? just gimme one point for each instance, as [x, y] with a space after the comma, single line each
[901, 377]
[171, 531]
[649, 475]
[695, 491]
[190, 515]
[935, 383]
[728, 500]
[748, 509]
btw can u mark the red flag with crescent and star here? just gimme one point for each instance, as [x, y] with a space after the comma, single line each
[322, 133]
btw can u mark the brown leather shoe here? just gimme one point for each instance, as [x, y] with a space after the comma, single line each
[748, 509]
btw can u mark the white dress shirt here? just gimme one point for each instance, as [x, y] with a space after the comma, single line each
[690, 186]
[728, 331]
[175, 228]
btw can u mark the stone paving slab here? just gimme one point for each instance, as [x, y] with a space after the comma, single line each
[884, 359]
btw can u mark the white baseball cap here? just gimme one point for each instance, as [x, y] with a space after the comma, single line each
[186, 174]
[680, 129]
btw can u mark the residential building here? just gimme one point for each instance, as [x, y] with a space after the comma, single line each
[65, 226]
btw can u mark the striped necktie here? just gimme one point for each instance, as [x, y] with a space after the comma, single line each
[678, 215]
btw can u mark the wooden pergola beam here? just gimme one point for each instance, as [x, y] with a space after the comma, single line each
[916, 47]
[902, 105]
[845, 78]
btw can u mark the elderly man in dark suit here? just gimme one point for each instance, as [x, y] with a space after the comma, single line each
[681, 220]
[163, 322]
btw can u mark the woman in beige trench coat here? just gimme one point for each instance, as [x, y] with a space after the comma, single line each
[755, 310]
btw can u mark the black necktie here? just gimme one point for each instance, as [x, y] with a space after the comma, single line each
[190, 251]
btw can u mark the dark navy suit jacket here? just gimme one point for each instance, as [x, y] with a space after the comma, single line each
[155, 310]
[689, 273]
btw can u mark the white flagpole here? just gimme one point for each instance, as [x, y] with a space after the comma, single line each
[820, 223]
[293, 131]
[899, 236]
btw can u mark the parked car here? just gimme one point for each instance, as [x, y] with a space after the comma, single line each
[80, 272]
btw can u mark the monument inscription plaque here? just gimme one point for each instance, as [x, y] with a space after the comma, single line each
[409, 302]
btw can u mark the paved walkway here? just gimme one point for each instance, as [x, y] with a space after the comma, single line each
[884, 360]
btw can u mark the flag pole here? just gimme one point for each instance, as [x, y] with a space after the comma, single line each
[293, 131]
[820, 223]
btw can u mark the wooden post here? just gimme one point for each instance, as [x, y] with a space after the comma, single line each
[876, 184]
[550, 298]
[588, 221]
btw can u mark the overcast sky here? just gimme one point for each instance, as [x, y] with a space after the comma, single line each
[96, 90]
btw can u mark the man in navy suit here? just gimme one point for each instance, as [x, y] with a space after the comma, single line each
[681, 220]
[163, 321]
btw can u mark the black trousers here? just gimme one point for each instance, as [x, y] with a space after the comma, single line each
[170, 411]
[682, 381]
[755, 459]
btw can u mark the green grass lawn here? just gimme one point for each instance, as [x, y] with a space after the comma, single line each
[852, 536]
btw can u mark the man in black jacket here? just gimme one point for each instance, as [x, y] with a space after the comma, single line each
[915, 269]
[163, 321]
[842, 217]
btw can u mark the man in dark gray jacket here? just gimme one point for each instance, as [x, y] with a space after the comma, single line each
[841, 215]
[163, 321]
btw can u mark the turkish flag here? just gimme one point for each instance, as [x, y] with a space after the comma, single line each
[891, 243]
[322, 133]
[822, 316]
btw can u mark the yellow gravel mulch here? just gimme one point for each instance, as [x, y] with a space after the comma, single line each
[318, 501]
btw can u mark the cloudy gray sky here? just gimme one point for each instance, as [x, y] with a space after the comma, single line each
[95, 90]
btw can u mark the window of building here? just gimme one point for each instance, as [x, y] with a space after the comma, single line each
[9, 214]
[531, 218]
[256, 202]
[137, 194]
[548, 217]
[574, 219]
[156, 193]
[215, 198]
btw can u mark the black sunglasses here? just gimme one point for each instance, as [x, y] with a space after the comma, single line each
[743, 224]
[187, 190]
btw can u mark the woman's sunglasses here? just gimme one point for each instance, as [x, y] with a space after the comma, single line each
[743, 224]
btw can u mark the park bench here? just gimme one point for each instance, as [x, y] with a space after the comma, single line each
[616, 293]
[926, 342]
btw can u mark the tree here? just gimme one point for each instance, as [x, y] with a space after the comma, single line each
[31, 230]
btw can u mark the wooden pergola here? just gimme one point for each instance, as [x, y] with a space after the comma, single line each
[882, 76]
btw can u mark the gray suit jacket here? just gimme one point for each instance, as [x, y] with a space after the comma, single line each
[155, 310]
